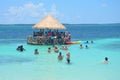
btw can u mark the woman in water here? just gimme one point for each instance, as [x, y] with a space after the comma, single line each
[60, 57]
[56, 49]
[49, 50]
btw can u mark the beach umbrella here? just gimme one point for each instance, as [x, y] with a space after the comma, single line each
[49, 22]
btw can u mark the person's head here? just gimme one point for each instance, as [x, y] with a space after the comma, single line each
[36, 49]
[56, 47]
[86, 46]
[21, 45]
[68, 53]
[91, 41]
[60, 53]
[87, 41]
[106, 58]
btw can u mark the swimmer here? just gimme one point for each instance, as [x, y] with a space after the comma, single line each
[20, 48]
[91, 41]
[87, 42]
[106, 60]
[81, 46]
[56, 49]
[36, 51]
[49, 49]
[86, 46]
[64, 48]
[60, 57]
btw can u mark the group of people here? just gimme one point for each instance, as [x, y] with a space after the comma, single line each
[81, 47]
[60, 56]
[20, 48]
[56, 50]
[86, 46]
[52, 37]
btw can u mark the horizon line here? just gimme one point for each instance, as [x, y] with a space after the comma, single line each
[62, 23]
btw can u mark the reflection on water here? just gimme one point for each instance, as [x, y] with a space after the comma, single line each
[11, 41]
[113, 45]
[13, 59]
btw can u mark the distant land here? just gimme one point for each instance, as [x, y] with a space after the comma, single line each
[67, 24]
[63, 24]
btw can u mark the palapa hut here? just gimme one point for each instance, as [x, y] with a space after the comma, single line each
[49, 22]
[49, 37]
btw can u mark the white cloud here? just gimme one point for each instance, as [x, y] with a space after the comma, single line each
[30, 11]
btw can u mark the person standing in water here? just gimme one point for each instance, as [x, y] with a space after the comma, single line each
[56, 49]
[36, 51]
[60, 57]
[49, 50]
[68, 57]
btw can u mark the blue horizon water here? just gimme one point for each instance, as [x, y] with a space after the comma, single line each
[86, 64]
[78, 31]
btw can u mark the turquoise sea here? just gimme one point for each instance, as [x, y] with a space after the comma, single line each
[86, 64]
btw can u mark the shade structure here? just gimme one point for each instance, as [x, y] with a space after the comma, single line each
[49, 22]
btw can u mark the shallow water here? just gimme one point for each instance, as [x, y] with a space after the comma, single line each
[86, 64]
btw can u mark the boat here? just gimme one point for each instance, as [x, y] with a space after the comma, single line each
[73, 42]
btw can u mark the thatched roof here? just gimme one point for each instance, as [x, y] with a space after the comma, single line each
[49, 22]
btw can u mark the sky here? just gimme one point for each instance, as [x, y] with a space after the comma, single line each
[65, 11]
